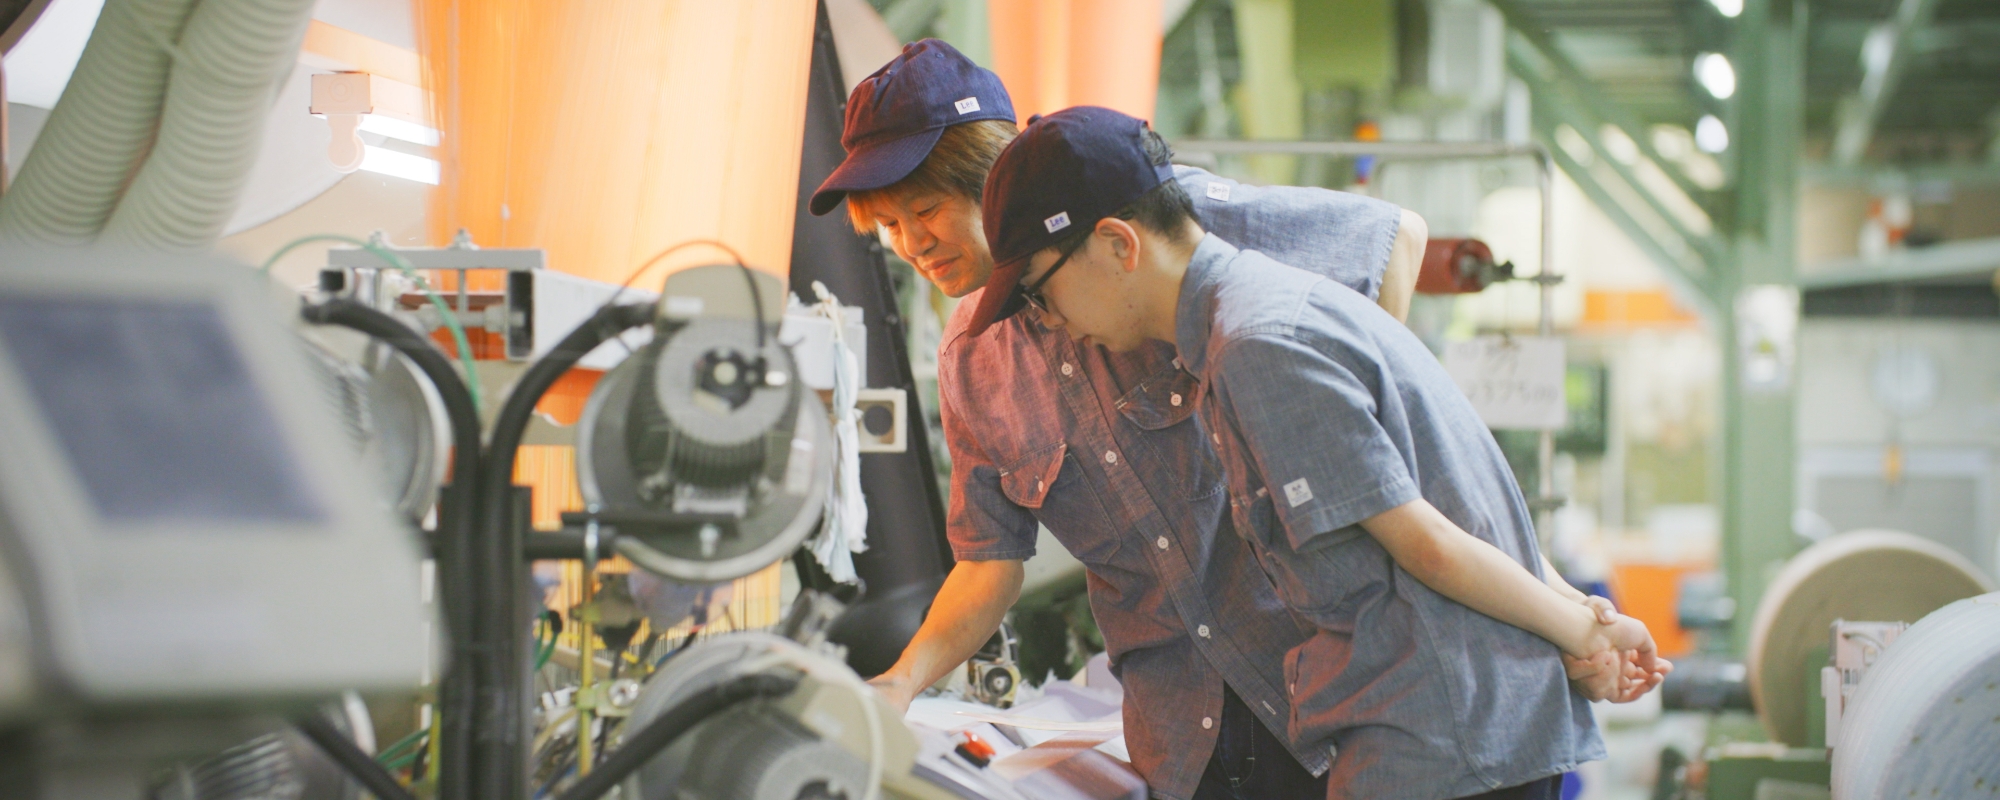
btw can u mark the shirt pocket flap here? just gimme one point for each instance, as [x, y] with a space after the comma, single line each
[1161, 401]
[1027, 481]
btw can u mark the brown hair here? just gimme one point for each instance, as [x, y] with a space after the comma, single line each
[957, 164]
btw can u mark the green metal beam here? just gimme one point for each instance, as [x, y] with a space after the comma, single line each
[1705, 245]
[1884, 56]
[1759, 448]
[1693, 284]
[1571, 78]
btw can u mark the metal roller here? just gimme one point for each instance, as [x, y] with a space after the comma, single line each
[1885, 576]
[1925, 721]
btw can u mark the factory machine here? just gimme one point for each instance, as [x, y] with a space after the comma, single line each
[1873, 671]
[198, 567]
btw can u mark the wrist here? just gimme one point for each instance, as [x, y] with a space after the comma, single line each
[1586, 637]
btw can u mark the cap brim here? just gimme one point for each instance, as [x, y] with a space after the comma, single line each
[873, 166]
[997, 301]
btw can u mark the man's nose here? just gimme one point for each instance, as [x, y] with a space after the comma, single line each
[920, 238]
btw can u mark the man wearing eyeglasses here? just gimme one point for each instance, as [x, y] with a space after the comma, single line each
[1103, 449]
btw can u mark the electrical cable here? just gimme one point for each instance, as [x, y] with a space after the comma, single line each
[640, 747]
[756, 296]
[396, 749]
[390, 257]
[349, 756]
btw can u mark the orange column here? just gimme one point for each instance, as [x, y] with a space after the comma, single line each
[607, 131]
[1053, 54]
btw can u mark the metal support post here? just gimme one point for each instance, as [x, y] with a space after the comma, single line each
[1758, 448]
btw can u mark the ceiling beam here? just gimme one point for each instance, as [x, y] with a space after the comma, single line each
[1688, 278]
[1885, 54]
[1547, 100]
[1569, 76]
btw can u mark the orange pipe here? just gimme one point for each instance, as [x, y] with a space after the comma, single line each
[1053, 54]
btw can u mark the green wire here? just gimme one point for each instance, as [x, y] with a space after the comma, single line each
[389, 256]
[544, 649]
[396, 749]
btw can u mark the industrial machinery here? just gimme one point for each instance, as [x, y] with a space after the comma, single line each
[703, 454]
[1875, 576]
[702, 449]
[188, 546]
[1460, 266]
[1924, 720]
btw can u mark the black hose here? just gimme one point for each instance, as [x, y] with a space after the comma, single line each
[661, 732]
[500, 685]
[358, 764]
[457, 520]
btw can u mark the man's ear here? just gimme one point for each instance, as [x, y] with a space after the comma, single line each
[1123, 239]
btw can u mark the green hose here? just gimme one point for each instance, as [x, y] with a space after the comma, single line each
[390, 257]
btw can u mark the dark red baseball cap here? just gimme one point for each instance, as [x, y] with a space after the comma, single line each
[896, 116]
[1065, 172]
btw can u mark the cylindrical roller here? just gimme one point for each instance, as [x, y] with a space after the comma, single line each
[1925, 721]
[1873, 576]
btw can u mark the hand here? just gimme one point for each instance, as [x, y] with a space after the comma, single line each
[1606, 612]
[898, 690]
[1598, 677]
[1639, 668]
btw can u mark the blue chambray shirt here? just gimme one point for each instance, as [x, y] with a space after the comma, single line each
[1104, 450]
[1330, 412]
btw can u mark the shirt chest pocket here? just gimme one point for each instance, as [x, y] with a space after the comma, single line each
[1321, 579]
[1048, 481]
[1163, 405]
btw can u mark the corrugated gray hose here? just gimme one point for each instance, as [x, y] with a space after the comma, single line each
[100, 130]
[234, 57]
[170, 96]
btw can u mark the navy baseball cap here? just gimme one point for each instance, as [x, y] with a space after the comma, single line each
[1064, 173]
[896, 115]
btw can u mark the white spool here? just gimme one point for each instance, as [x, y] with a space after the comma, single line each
[1925, 721]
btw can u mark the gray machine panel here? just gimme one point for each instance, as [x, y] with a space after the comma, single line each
[176, 503]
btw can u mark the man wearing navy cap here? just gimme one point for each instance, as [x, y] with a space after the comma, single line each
[1099, 447]
[1359, 476]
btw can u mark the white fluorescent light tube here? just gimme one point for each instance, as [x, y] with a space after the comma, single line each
[400, 164]
[1716, 74]
[399, 129]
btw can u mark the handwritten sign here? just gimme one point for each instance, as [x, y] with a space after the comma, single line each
[1513, 382]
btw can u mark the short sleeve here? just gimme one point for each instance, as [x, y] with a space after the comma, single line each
[1342, 236]
[980, 522]
[1309, 424]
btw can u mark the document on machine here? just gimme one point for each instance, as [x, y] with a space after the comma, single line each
[1064, 710]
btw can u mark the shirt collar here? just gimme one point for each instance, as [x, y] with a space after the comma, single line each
[1194, 312]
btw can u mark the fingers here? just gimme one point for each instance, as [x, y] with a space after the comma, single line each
[1606, 612]
[1597, 677]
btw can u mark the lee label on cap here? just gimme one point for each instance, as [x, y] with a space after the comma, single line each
[967, 106]
[1218, 191]
[1057, 222]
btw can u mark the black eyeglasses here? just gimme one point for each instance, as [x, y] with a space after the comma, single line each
[1033, 293]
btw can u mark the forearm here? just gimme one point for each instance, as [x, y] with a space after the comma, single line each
[1467, 569]
[1406, 259]
[969, 607]
[1555, 581]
